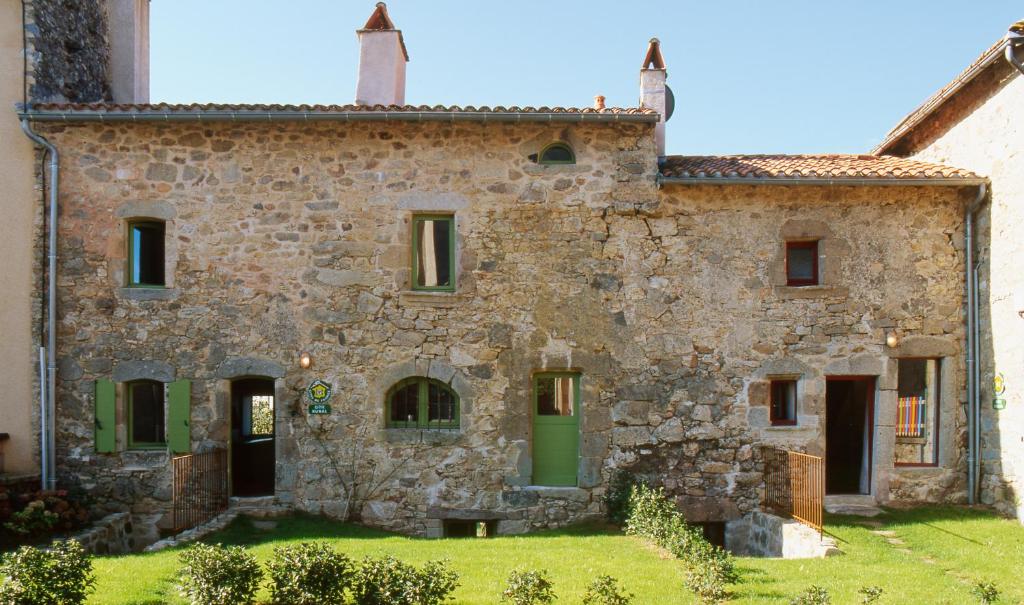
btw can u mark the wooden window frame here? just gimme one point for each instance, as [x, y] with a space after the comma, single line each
[130, 411]
[422, 406]
[549, 146]
[132, 224]
[775, 421]
[804, 245]
[937, 418]
[453, 277]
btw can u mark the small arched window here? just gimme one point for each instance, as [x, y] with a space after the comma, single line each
[556, 153]
[422, 403]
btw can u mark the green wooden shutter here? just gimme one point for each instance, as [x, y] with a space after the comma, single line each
[179, 408]
[106, 417]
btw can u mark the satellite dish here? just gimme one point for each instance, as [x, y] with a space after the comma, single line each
[670, 103]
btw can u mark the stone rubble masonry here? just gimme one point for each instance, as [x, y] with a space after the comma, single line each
[760, 534]
[68, 53]
[986, 134]
[283, 238]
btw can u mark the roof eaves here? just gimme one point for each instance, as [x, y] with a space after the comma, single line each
[926, 109]
[894, 181]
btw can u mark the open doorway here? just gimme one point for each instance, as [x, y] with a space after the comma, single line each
[849, 424]
[252, 437]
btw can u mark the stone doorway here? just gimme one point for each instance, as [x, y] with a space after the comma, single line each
[849, 426]
[252, 437]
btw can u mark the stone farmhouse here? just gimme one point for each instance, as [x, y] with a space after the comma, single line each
[422, 317]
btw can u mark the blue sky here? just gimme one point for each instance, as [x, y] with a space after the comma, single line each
[749, 76]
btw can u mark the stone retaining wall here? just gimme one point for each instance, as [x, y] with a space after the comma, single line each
[760, 534]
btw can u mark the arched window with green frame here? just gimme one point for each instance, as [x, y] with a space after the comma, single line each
[421, 402]
[556, 153]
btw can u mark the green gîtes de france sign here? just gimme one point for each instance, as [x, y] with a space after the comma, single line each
[319, 393]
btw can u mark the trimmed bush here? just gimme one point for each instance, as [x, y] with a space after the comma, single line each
[529, 588]
[219, 575]
[985, 592]
[309, 574]
[708, 568]
[61, 574]
[604, 590]
[388, 581]
[870, 594]
[815, 595]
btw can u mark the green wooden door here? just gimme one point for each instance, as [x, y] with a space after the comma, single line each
[556, 428]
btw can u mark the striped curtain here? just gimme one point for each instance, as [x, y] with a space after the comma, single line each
[910, 417]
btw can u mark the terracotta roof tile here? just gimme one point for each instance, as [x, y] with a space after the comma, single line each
[256, 107]
[832, 166]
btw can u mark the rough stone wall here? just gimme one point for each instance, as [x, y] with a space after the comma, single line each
[68, 53]
[289, 238]
[989, 139]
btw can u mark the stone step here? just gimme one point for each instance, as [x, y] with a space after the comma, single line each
[853, 504]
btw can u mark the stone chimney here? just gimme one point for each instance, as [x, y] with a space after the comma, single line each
[382, 59]
[128, 36]
[653, 90]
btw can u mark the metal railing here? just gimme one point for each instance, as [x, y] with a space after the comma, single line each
[794, 486]
[200, 488]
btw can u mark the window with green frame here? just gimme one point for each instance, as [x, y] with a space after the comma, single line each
[433, 252]
[422, 403]
[146, 427]
[146, 254]
[556, 153]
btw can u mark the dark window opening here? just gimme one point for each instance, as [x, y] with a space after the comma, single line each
[433, 253]
[458, 528]
[146, 254]
[146, 413]
[801, 263]
[714, 532]
[783, 405]
[557, 153]
[422, 403]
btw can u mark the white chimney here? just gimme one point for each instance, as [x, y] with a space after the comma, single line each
[128, 35]
[382, 59]
[652, 90]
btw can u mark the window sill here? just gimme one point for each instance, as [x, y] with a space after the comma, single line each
[543, 169]
[906, 466]
[148, 293]
[817, 291]
[428, 298]
[785, 427]
[417, 435]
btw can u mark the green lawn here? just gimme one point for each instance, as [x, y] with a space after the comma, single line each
[948, 548]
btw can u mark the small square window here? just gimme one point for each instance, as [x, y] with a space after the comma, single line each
[802, 263]
[783, 405]
[146, 254]
[433, 252]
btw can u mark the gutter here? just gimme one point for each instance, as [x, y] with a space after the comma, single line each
[828, 182]
[221, 115]
[973, 353]
[48, 388]
[1013, 40]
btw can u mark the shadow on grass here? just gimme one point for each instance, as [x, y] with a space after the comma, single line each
[305, 527]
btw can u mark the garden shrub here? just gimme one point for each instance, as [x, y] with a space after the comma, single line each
[870, 594]
[815, 595]
[616, 499]
[532, 587]
[604, 590]
[986, 592]
[28, 516]
[708, 568]
[61, 574]
[309, 574]
[219, 575]
[388, 581]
